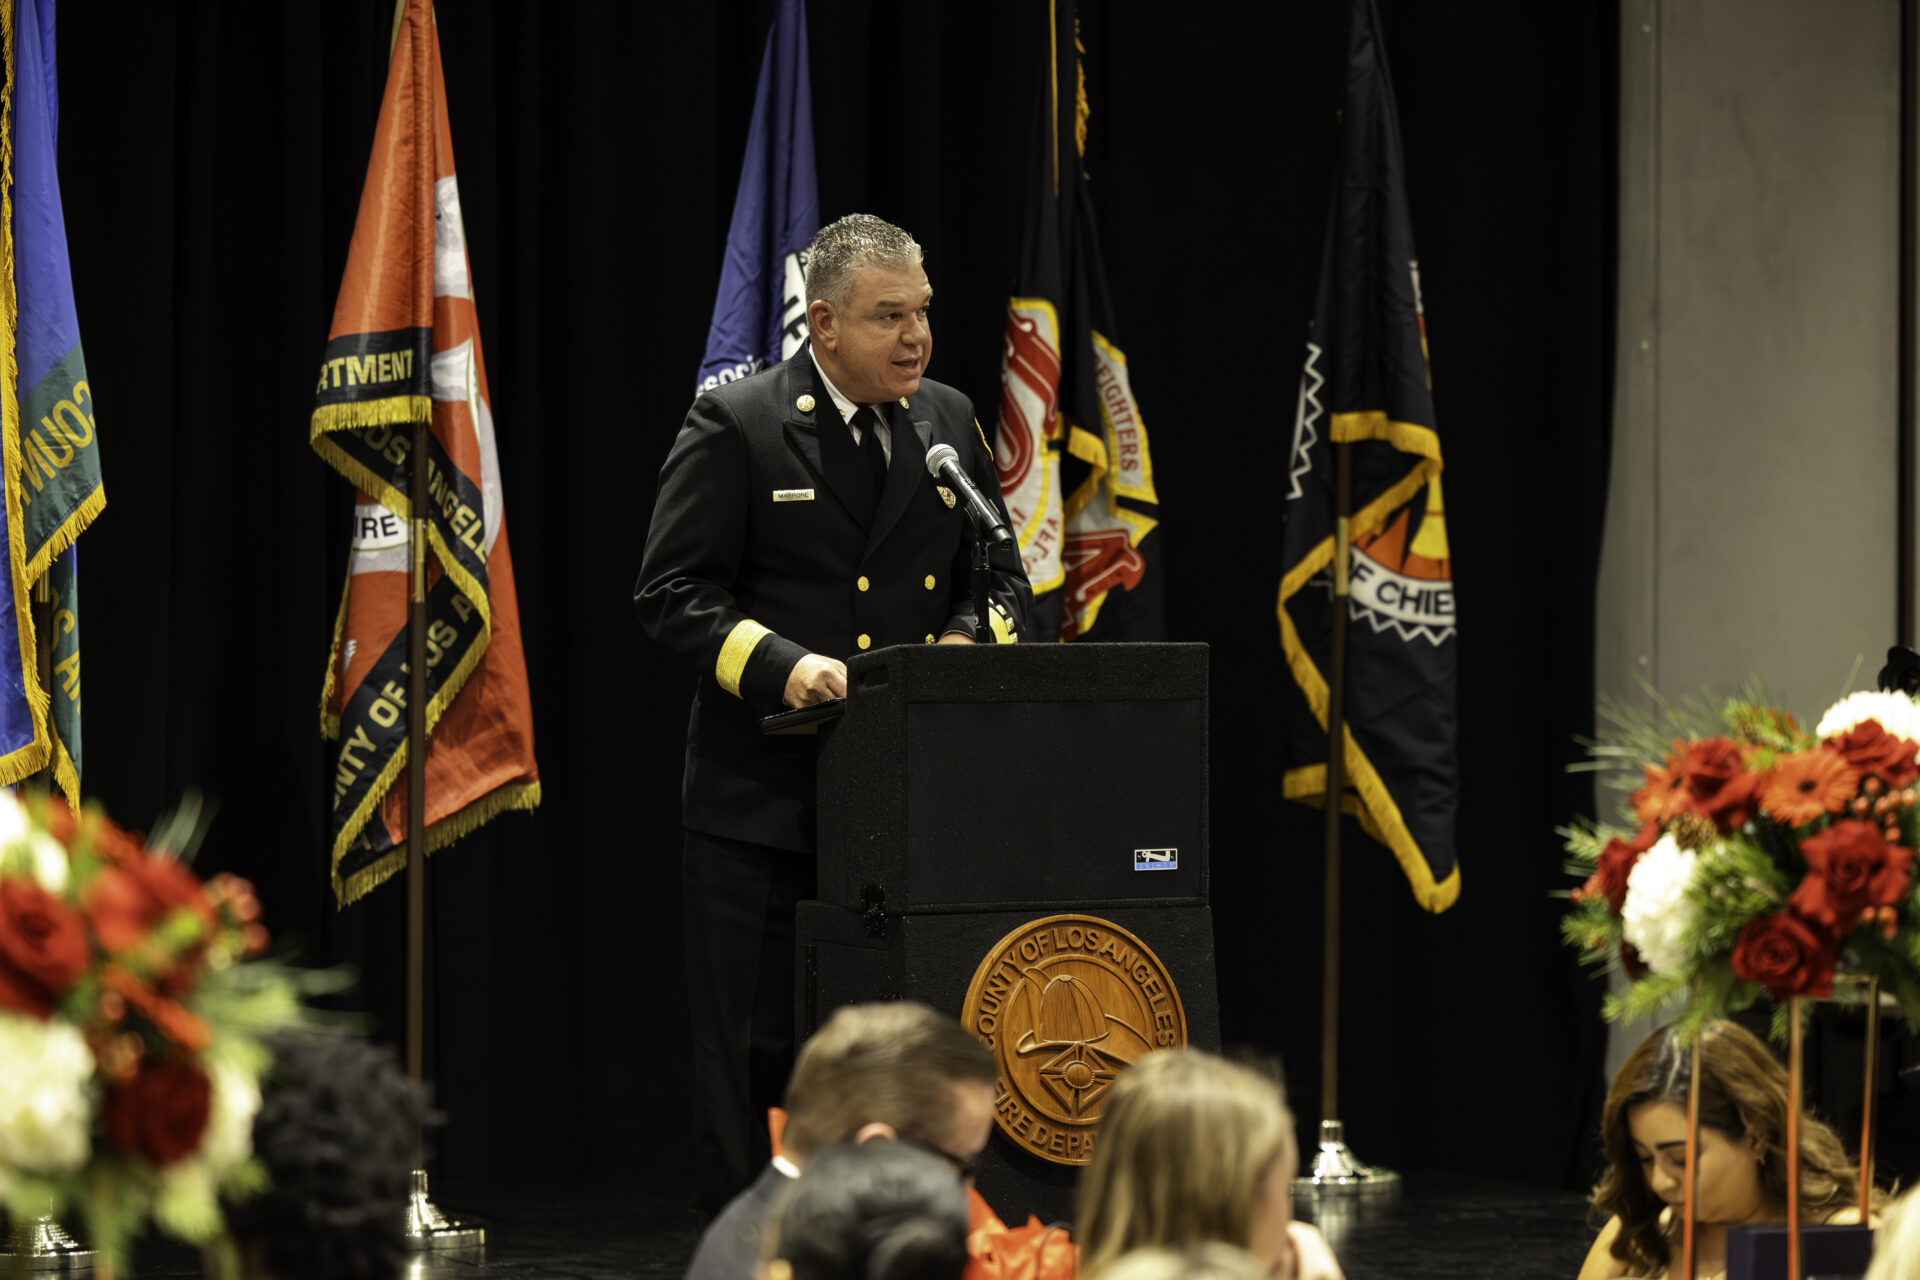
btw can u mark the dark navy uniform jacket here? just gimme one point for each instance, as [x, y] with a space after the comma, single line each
[768, 543]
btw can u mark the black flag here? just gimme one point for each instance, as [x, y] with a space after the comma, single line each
[1366, 385]
[1071, 445]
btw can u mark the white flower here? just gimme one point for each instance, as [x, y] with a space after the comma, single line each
[23, 847]
[13, 819]
[44, 1114]
[229, 1136]
[49, 860]
[1898, 714]
[1656, 913]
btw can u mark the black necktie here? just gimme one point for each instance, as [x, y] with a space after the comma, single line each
[870, 449]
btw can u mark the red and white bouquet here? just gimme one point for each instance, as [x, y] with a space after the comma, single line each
[1763, 859]
[131, 1026]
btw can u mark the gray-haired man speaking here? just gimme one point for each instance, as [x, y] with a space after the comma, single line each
[796, 525]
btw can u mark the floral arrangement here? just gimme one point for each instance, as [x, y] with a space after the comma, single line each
[130, 1029]
[1761, 859]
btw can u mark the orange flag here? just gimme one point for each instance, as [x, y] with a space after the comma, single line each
[405, 348]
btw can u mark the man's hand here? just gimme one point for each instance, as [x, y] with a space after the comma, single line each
[956, 637]
[816, 678]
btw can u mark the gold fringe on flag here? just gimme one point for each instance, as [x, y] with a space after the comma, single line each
[31, 758]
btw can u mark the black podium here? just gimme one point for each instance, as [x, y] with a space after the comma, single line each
[971, 792]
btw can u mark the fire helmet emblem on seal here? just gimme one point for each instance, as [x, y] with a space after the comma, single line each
[1066, 1003]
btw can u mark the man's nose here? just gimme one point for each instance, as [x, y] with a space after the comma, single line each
[915, 333]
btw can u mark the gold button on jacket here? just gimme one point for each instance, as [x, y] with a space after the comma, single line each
[866, 641]
[863, 584]
[929, 582]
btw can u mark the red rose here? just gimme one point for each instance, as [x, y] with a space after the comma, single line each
[1615, 864]
[43, 948]
[161, 1112]
[1876, 753]
[125, 902]
[1717, 779]
[1850, 867]
[1787, 956]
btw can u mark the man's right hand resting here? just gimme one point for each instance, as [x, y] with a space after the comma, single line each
[815, 679]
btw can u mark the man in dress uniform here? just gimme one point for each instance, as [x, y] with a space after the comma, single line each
[796, 525]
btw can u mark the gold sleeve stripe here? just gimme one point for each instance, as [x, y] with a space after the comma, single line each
[735, 652]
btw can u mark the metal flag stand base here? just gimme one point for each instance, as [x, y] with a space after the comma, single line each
[41, 1245]
[1336, 1171]
[428, 1229]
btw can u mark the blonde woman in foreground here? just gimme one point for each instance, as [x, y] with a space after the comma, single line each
[1196, 1150]
[1743, 1160]
[1896, 1245]
[1202, 1262]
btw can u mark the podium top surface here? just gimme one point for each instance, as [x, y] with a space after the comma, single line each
[1032, 672]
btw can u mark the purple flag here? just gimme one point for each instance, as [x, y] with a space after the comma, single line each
[760, 311]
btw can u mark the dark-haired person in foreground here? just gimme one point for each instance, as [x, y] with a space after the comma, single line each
[338, 1132]
[797, 525]
[894, 1071]
[1742, 1169]
[871, 1211]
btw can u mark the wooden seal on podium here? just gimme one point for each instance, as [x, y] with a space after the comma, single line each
[1066, 1003]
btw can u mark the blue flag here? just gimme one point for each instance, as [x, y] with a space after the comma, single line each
[760, 312]
[52, 457]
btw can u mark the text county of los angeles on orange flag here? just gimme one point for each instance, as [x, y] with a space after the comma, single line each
[405, 347]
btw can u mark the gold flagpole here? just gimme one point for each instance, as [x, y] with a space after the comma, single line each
[1336, 785]
[1335, 1169]
[417, 766]
[1795, 1082]
[1690, 1191]
[427, 1226]
[1866, 1097]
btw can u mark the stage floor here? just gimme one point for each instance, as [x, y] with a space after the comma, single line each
[1442, 1227]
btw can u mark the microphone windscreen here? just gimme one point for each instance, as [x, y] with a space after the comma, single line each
[939, 456]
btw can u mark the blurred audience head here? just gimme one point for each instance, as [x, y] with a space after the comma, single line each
[1896, 1244]
[338, 1132]
[1742, 1152]
[892, 1070]
[1193, 1149]
[1200, 1262]
[871, 1211]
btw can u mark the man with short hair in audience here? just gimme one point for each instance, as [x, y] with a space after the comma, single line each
[897, 1071]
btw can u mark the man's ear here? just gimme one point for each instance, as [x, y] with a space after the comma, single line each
[824, 323]
[875, 1130]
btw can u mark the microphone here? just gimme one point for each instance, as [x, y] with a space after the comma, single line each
[944, 464]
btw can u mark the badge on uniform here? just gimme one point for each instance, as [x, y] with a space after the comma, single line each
[797, 495]
[946, 494]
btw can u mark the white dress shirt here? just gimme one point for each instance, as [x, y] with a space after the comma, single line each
[847, 409]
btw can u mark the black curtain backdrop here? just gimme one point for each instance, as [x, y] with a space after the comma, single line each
[212, 158]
